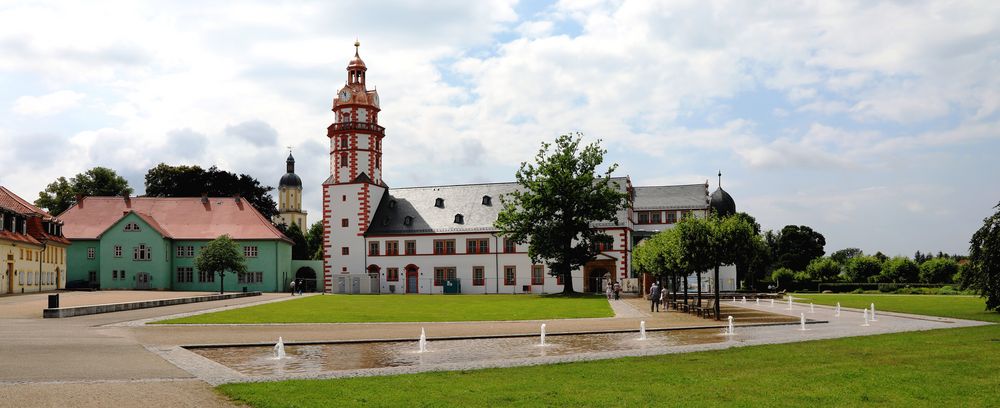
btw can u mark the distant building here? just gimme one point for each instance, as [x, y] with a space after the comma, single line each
[418, 239]
[290, 198]
[151, 243]
[32, 247]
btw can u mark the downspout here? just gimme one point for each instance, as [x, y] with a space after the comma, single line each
[277, 260]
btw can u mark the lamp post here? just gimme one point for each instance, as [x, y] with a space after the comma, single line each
[39, 277]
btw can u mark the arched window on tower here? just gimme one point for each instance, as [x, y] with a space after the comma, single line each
[343, 160]
[343, 142]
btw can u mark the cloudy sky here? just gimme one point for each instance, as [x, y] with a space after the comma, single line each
[878, 124]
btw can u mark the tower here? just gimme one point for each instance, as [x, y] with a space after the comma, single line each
[355, 185]
[290, 197]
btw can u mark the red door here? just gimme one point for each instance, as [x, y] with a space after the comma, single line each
[412, 284]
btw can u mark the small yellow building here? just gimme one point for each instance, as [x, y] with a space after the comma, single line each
[32, 247]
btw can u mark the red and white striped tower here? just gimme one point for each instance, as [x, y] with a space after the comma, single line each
[355, 186]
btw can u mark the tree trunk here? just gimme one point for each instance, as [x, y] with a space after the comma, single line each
[222, 279]
[716, 292]
[685, 290]
[699, 288]
[567, 282]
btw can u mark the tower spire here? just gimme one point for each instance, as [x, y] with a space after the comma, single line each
[720, 178]
[357, 45]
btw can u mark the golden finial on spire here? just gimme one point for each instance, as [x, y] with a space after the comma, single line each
[357, 44]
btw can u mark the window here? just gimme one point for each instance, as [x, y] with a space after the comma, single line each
[343, 160]
[537, 277]
[477, 246]
[407, 220]
[343, 139]
[205, 277]
[91, 253]
[411, 247]
[142, 253]
[392, 274]
[189, 252]
[559, 279]
[509, 275]
[671, 217]
[31, 278]
[477, 276]
[392, 247]
[343, 222]
[508, 246]
[91, 276]
[131, 227]
[459, 219]
[444, 246]
[250, 277]
[180, 251]
[604, 245]
[114, 275]
[487, 200]
[250, 251]
[441, 274]
[654, 218]
[345, 251]
[439, 202]
[373, 248]
[185, 274]
[643, 217]
[685, 214]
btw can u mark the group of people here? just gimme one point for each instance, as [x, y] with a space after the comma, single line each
[614, 291]
[296, 285]
[657, 296]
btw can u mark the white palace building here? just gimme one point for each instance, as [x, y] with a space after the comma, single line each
[439, 239]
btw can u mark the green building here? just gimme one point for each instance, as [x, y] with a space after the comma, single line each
[152, 242]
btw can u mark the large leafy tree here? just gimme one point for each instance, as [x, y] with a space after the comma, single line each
[98, 181]
[561, 195]
[983, 274]
[300, 250]
[846, 254]
[797, 245]
[219, 256]
[938, 270]
[862, 268]
[749, 256]
[314, 240]
[899, 269]
[660, 256]
[698, 245]
[823, 269]
[192, 181]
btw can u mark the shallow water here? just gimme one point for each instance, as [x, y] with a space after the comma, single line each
[308, 359]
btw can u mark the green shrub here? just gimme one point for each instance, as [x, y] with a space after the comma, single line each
[938, 270]
[858, 291]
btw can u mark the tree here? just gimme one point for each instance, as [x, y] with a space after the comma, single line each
[938, 270]
[797, 245]
[193, 181]
[860, 269]
[748, 250]
[699, 245]
[98, 181]
[823, 269]
[983, 274]
[219, 256]
[782, 276]
[899, 269]
[314, 240]
[660, 256]
[559, 199]
[300, 250]
[846, 254]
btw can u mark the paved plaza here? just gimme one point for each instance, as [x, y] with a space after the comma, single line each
[109, 359]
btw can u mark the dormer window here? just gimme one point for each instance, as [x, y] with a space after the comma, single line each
[385, 221]
[487, 200]
[439, 202]
[130, 227]
[459, 219]
[392, 203]
[408, 220]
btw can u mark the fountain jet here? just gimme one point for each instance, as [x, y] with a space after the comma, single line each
[423, 341]
[837, 313]
[642, 330]
[873, 313]
[802, 321]
[543, 335]
[279, 349]
[866, 318]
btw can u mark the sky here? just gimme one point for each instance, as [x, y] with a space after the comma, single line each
[875, 123]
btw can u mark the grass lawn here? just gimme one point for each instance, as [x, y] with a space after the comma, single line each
[953, 367]
[959, 307]
[420, 308]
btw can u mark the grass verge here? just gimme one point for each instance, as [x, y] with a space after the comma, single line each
[421, 308]
[955, 306]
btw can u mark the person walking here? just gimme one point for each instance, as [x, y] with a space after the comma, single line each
[663, 299]
[618, 291]
[299, 285]
[292, 286]
[654, 298]
[607, 290]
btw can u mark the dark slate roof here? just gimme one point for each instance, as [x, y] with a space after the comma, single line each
[723, 203]
[466, 199]
[290, 180]
[689, 196]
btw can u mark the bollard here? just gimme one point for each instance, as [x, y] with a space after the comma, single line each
[54, 301]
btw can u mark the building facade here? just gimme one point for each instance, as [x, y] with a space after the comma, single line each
[32, 247]
[290, 198]
[441, 238]
[152, 242]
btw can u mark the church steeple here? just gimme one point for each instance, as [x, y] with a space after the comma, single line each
[290, 164]
[356, 137]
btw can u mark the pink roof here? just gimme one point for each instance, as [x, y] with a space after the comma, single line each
[15, 203]
[174, 217]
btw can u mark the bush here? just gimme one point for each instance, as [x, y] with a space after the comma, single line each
[900, 270]
[861, 268]
[802, 277]
[858, 291]
[823, 269]
[938, 270]
[782, 276]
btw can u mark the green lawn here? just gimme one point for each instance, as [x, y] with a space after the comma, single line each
[959, 307]
[420, 308]
[953, 367]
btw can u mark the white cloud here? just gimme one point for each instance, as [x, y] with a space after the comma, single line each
[48, 104]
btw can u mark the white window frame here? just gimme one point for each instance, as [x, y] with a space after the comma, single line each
[91, 253]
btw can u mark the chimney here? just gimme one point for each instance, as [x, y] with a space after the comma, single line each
[79, 200]
[236, 197]
[204, 198]
[128, 202]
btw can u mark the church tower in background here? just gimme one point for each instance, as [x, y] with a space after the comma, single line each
[290, 198]
[355, 187]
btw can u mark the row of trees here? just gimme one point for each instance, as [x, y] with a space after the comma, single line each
[861, 268]
[160, 181]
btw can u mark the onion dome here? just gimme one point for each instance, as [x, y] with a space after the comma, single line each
[356, 62]
[290, 179]
[721, 202]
